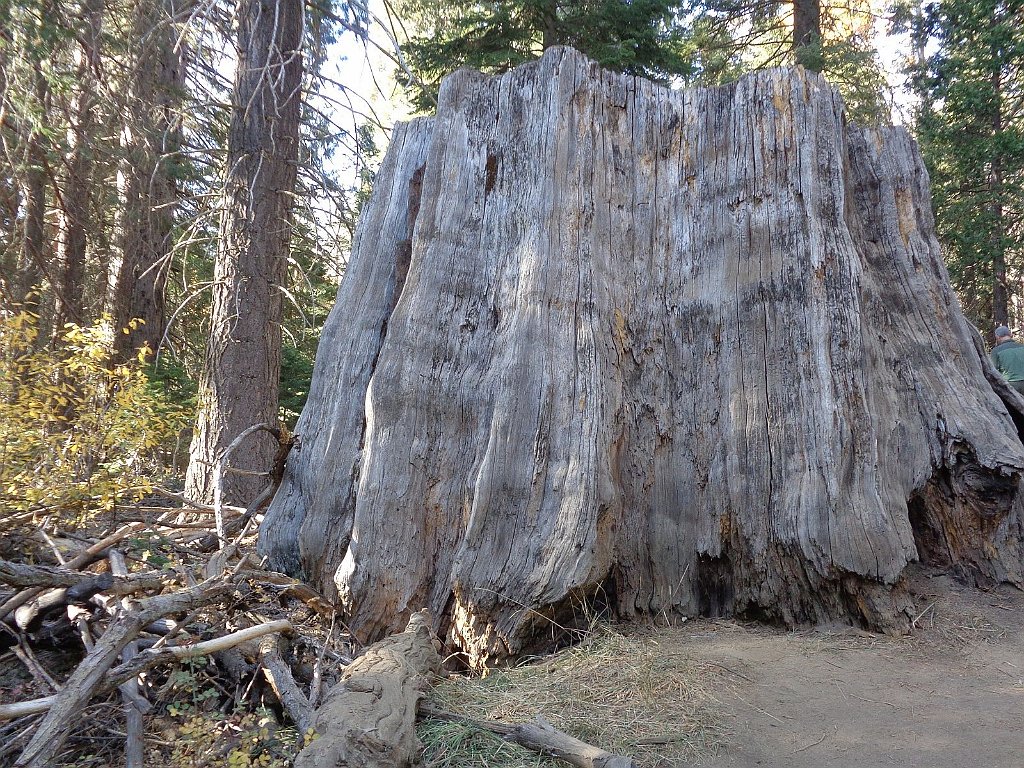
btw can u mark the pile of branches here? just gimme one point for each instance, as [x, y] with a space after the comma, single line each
[101, 625]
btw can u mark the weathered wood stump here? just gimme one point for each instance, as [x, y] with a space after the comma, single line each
[685, 351]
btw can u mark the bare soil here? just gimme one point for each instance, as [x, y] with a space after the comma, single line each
[951, 695]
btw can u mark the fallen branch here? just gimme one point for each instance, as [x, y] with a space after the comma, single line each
[542, 737]
[87, 677]
[152, 657]
[23, 708]
[280, 678]
[135, 704]
[83, 558]
[23, 575]
[28, 617]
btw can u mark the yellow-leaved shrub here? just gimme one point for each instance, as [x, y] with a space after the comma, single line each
[78, 433]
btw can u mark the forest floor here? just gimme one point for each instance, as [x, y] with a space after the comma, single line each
[948, 696]
[726, 694]
[712, 693]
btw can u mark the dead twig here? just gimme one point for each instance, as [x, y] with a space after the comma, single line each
[83, 682]
[280, 678]
[41, 676]
[913, 621]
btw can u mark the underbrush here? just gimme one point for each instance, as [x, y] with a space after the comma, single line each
[79, 432]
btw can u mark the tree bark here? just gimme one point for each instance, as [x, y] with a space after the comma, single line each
[666, 352]
[1000, 294]
[807, 33]
[239, 384]
[77, 187]
[33, 243]
[368, 720]
[150, 142]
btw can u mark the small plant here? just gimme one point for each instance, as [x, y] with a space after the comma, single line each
[78, 433]
[240, 740]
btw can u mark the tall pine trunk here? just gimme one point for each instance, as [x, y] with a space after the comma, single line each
[807, 33]
[77, 188]
[239, 386]
[32, 255]
[150, 141]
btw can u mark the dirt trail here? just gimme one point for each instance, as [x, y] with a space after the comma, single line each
[950, 696]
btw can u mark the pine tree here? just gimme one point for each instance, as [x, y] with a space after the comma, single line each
[833, 38]
[643, 37]
[971, 129]
[240, 380]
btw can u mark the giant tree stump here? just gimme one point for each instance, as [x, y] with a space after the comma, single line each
[694, 352]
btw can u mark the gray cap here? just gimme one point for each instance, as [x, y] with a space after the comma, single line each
[1002, 332]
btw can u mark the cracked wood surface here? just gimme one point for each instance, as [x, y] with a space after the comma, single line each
[368, 720]
[690, 352]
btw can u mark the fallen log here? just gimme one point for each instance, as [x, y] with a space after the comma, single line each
[540, 736]
[368, 719]
[285, 688]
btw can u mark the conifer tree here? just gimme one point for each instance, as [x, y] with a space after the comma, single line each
[240, 380]
[971, 129]
[643, 37]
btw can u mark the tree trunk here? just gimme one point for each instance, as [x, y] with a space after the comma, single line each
[667, 352]
[549, 24]
[807, 33]
[77, 188]
[243, 356]
[150, 141]
[1000, 298]
[32, 257]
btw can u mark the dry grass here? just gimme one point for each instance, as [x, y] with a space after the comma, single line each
[625, 692]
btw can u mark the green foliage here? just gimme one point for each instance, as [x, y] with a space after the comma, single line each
[688, 42]
[971, 130]
[77, 433]
[201, 734]
[642, 37]
[296, 373]
[242, 740]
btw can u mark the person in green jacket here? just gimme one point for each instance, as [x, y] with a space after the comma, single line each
[1008, 357]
